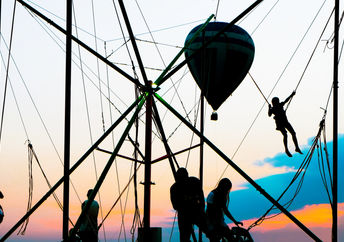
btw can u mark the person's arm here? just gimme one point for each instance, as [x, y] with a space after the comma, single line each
[173, 197]
[270, 110]
[230, 216]
[288, 98]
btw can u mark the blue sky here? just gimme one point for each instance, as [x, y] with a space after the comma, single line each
[247, 203]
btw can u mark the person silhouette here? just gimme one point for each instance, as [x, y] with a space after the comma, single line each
[89, 227]
[282, 123]
[2, 214]
[187, 199]
[217, 207]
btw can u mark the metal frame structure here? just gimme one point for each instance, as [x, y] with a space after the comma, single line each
[148, 97]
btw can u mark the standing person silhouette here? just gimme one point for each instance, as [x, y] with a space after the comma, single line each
[188, 199]
[217, 207]
[282, 123]
[89, 228]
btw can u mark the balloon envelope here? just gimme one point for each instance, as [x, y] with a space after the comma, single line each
[223, 64]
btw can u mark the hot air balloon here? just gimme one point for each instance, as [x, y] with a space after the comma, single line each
[222, 65]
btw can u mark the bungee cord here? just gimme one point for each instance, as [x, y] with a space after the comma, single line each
[275, 85]
[196, 110]
[7, 70]
[317, 143]
[39, 115]
[161, 58]
[217, 9]
[311, 57]
[136, 76]
[98, 68]
[88, 114]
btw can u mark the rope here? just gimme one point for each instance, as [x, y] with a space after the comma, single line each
[311, 57]
[98, 70]
[302, 170]
[24, 225]
[16, 101]
[135, 74]
[162, 29]
[268, 13]
[161, 58]
[88, 115]
[158, 43]
[39, 114]
[7, 70]
[217, 8]
[255, 83]
[118, 199]
[193, 134]
[273, 88]
[33, 154]
[136, 219]
[64, 20]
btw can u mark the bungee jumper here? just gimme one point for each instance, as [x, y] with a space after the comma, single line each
[282, 123]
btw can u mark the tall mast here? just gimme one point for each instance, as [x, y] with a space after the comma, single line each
[335, 125]
[69, 5]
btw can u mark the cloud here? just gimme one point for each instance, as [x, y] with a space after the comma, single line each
[316, 217]
[248, 203]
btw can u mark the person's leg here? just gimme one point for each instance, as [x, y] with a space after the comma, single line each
[285, 142]
[293, 134]
[185, 228]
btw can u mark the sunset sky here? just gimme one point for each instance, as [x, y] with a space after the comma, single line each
[285, 34]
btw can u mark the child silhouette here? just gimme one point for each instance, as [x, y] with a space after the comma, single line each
[282, 123]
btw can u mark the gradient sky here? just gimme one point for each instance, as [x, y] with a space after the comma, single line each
[244, 132]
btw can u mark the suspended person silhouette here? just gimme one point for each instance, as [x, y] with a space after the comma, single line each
[282, 123]
[188, 199]
[1, 210]
[89, 227]
[217, 207]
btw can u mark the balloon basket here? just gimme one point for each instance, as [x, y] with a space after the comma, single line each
[214, 116]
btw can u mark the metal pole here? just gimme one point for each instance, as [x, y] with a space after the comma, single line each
[181, 64]
[133, 41]
[239, 170]
[148, 160]
[79, 42]
[74, 167]
[105, 171]
[335, 125]
[201, 155]
[169, 153]
[67, 119]
[201, 150]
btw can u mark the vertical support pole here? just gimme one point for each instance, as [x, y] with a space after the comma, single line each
[69, 5]
[201, 155]
[203, 76]
[148, 160]
[335, 125]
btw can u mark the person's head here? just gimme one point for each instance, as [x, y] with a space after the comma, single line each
[275, 101]
[225, 185]
[89, 192]
[181, 174]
